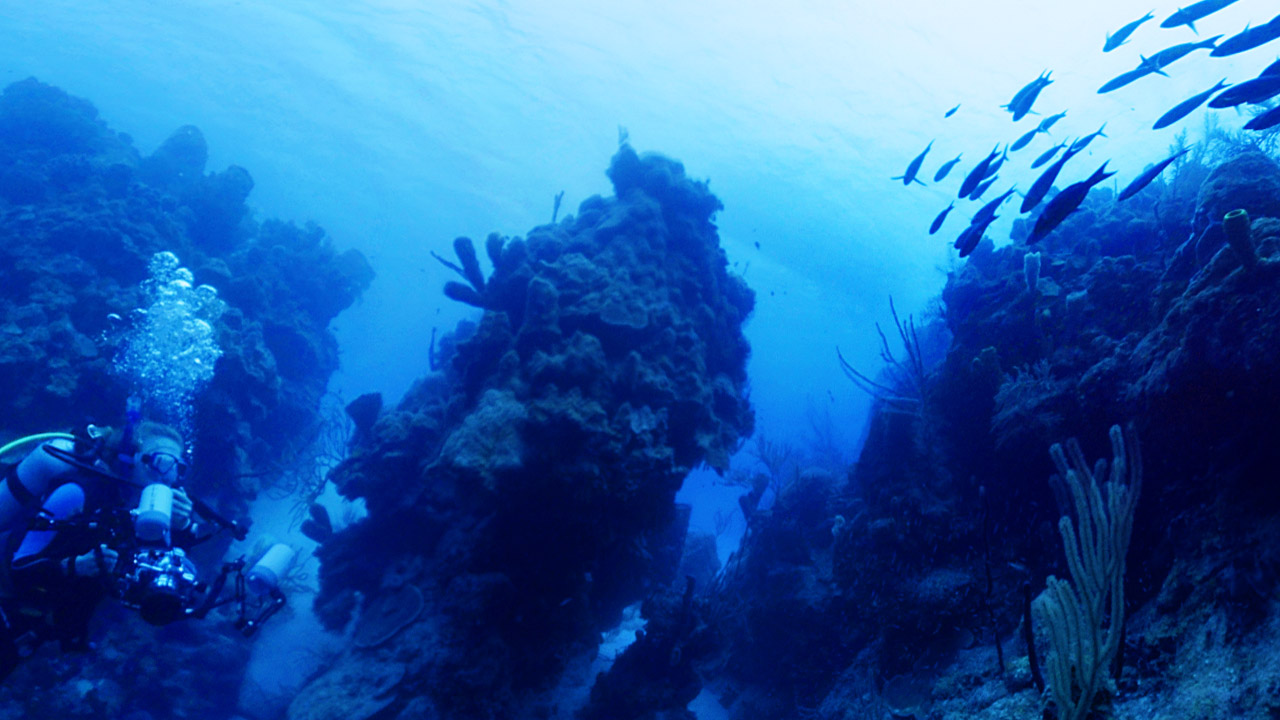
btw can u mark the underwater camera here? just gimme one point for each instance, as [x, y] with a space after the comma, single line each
[162, 583]
[158, 580]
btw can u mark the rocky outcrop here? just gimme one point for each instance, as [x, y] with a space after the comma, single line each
[535, 476]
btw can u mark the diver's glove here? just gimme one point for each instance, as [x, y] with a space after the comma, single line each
[181, 513]
[99, 561]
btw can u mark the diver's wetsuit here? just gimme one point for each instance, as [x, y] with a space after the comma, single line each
[41, 597]
[45, 600]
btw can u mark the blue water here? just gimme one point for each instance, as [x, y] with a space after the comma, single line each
[400, 125]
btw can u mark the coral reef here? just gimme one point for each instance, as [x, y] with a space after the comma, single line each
[81, 214]
[533, 479]
[656, 674]
[357, 690]
[387, 615]
[903, 590]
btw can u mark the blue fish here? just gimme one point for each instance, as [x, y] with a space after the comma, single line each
[952, 111]
[1022, 101]
[1044, 183]
[963, 239]
[971, 236]
[942, 216]
[1185, 107]
[977, 175]
[1047, 155]
[1249, 38]
[1265, 121]
[1083, 142]
[1048, 122]
[945, 169]
[1257, 90]
[988, 211]
[1166, 57]
[1121, 36]
[1193, 12]
[1145, 178]
[1065, 203]
[994, 167]
[1024, 140]
[1125, 78]
[913, 167]
[981, 189]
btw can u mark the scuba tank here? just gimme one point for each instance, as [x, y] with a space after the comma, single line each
[39, 473]
[26, 483]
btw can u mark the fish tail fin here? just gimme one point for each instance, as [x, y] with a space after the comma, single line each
[918, 180]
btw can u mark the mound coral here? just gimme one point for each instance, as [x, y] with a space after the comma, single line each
[536, 475]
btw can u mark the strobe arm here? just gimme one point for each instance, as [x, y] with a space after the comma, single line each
[220, 582]
[249, 625]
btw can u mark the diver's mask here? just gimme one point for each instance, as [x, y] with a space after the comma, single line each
[160, 460]
[166, 466]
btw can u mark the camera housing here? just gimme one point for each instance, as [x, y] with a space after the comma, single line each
[161, 583]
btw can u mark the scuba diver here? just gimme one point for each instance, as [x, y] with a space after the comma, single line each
[85, 518]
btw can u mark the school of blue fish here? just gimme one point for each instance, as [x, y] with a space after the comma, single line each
[982, 176]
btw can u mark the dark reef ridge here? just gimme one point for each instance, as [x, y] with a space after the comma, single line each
[888, 593]
[528, 487]
[81, 214]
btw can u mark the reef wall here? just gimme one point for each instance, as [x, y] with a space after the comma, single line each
[520, 497]
[889, 592]
[81, 214]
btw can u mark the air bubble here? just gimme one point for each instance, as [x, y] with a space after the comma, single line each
[170, 352]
